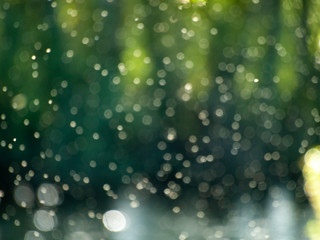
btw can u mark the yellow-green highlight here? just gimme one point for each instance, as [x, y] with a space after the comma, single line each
[311, 173]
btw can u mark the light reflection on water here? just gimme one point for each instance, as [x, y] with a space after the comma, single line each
[279, 218]
[281, 215]
[277, 221]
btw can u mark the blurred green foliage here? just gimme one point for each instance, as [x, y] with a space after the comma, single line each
[189, 103]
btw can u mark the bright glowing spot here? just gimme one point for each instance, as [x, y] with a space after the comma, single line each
[33, 235]
[188, 87]
[48, 195]
[171, 134]
[312, 159]
[114, 221]
[44, 220]
[23, 196]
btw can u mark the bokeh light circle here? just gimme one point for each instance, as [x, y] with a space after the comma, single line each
[48, 195]
[114, 221]
[44, 220]
[23, 195]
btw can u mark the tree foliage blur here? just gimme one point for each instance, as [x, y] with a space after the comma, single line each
[198, 107]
